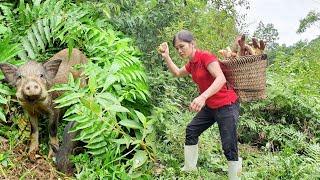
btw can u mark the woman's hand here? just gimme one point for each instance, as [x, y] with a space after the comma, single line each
[163, 49]
[198, 103]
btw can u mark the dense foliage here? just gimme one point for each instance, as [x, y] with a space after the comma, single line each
[133, 118]
[110, 110]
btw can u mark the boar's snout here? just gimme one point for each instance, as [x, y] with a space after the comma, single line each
[31, 91]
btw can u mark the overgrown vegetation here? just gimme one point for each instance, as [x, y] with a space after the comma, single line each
[110, 110]
[133, 113]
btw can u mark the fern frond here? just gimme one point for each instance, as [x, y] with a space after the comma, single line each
[7, 13]
[5, 93]
[8, 50]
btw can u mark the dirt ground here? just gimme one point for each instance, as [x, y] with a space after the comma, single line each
[14, 164]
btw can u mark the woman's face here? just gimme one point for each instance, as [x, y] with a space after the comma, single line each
[184, 49]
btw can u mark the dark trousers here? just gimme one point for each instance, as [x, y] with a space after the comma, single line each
[227, 118]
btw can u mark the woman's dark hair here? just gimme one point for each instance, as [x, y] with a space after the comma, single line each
[183, 35]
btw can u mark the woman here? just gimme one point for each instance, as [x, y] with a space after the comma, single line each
[216, 102]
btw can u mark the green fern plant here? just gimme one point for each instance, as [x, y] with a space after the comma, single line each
[7, 51]
[109, 109]
[40, 34]
[104, 123]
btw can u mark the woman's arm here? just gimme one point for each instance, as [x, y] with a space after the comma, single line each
[220, 80]
[177, 72]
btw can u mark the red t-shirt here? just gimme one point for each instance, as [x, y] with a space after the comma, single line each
[197, 67]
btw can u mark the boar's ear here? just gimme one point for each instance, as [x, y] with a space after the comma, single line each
[9, 72]
[52, 67]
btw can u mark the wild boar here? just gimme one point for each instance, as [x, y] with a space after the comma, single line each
[33, 80]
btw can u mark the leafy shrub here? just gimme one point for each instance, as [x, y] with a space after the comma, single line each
[110, 111]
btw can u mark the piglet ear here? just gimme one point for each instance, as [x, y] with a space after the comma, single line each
[9, 72]
[52, 67]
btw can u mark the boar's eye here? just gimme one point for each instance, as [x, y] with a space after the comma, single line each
[19, 77]
[42, 75]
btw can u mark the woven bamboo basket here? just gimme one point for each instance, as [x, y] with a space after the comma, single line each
[247, 75]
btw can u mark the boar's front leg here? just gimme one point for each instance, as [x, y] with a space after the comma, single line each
[53, 126]
[34, 137]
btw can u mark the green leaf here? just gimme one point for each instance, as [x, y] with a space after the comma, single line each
[126, 139]
[92, 85]
[71, 80]
[26, 45]
[136, 142]
[97, 152]
[114, 68]
[71, 110]
[47, 30]
[131, 124]
[91, 104]
[61, 87]
[141, 117]
[69, 103]
[23, 55]
[142, 95]
[32, 40]
[106, 96]
[3, 100]
[139, 158]
[8, 50]
[117, 108]
[3, 29]
[122, 141]
[78, 118]
[69, 97]
[2, 115]
[109, 81]
[92, 132]
[38, 37]
[135, 175]
[97, 140]
[82, 125]
[36, 3]
[6, 90]
[97, 145]
[41, 31]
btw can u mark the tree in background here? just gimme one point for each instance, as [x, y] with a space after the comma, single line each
[268, 33]
[313, 18]
[230, 7]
